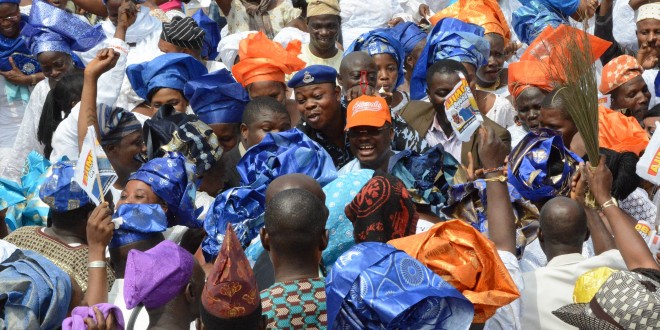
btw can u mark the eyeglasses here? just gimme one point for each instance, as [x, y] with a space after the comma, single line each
[9, 18]
[372, 131]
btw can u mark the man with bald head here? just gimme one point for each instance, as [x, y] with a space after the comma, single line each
[263, 266]
[564, 227]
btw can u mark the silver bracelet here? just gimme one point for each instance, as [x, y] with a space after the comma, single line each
[97, 264]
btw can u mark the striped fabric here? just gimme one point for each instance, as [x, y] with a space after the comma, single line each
[184, 33]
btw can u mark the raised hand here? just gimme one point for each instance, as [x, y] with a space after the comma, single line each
[105, 60]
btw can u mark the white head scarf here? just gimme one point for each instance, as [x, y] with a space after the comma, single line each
[228, 47]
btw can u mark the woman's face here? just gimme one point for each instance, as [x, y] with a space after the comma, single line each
[388, 72]
[55, 64]
[169, 96]
[137, 192]
[10, 17]
[491, 71]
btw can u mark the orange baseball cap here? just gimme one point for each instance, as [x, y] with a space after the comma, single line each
[368, 111]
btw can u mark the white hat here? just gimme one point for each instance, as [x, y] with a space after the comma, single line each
[649, 10]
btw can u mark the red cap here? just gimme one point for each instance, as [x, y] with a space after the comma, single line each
[368, 111]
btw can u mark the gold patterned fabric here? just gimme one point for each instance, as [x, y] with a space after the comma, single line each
[72, 260]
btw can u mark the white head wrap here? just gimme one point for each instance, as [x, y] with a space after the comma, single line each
[649, 10]
[288, 34]
[228, 47]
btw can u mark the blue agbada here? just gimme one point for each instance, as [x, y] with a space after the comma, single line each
[427, 176]
[211, 37]
[375, 286]
[241, 207]
[529, 20]
[541, 167]
[137, 222]
[216, 98]
[170, 70]
[59, 190]
[379, 41]
[450, 39]
[35, 294]
[408, 34]
[172, 179]
[52, 29]
[283, 153]
[24, 207]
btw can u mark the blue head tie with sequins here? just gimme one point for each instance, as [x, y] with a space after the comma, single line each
[217, 98]
[450, 39]
[241, 207]
[172, 179]
[59, 190]
[377, 42]
[283, 153]
[52, 29]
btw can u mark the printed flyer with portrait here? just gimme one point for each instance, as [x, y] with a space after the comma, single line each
[462, 111]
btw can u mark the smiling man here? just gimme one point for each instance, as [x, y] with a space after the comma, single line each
[317, 99]
[370, 134]
[622, 80]
[323, 24]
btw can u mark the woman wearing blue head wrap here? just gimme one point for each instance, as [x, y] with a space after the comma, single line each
[161, 80]
[388, 54]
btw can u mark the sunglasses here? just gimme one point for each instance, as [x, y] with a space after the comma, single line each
[372, 131]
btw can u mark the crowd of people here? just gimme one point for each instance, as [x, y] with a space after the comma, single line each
[329, 164]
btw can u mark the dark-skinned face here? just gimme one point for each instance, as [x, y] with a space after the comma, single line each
[55, 65]
[633, 95]
[556, 120]
[319, 105]
[528, 105]
[351, 73]
[371, 145]
[491, 71]
[274, 89]
[323, 31]
[440, 85]
[266, 122]
[169, 96]
[10, 17]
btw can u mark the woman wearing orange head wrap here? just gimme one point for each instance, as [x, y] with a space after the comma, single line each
[263, 64]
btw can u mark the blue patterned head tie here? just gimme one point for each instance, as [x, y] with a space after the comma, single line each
[427, 176]
[241, 207]
[531, 19]
[211, 37]
[59, 190]
[408, 34]
[137, 222]
[172, 179]
[379, 41]
[171, 70]
[36, 294]
[375, 286]
[52, 29]
[283, 153]
[532, 160]
[116, 123]
[217, 98]
[24, 207]
[450, 39]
